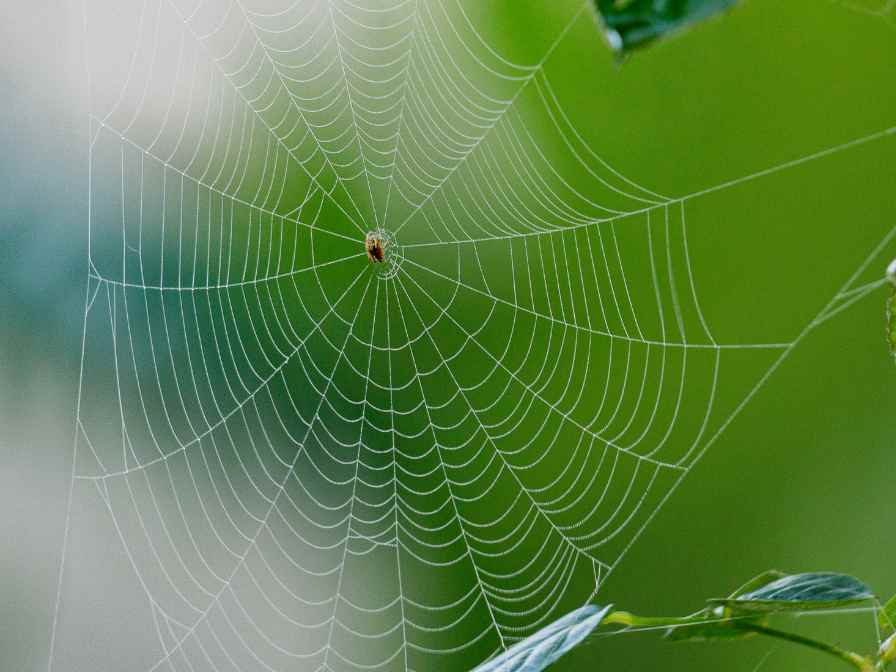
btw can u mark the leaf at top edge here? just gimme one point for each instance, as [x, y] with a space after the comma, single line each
[801, 592]
[536, 652]
[886, 618]
[630, 24]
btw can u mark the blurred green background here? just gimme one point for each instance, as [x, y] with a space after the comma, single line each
[800, 479]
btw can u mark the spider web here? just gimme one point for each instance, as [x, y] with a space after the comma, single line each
[312, 462]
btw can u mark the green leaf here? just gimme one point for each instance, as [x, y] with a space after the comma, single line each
[800, 592]
[629, 24]
[535, 653]
[886, 618]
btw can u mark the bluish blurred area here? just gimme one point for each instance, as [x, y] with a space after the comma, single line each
[42, 266]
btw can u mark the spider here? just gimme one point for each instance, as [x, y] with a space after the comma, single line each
[376, 247]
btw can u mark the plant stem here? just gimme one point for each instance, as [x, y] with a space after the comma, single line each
[857, 661]
[631, 620]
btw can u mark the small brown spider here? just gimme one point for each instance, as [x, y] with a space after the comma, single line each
[376, 247]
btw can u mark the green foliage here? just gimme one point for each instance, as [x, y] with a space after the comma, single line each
[744, 613]
[800, 592]
[535, 653]
[886, 625]
[630, 24]
[717, 622]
